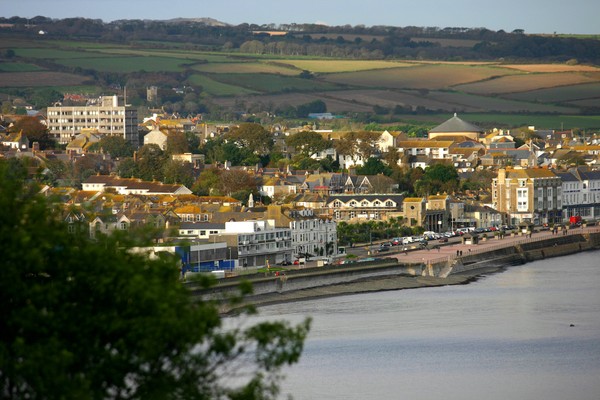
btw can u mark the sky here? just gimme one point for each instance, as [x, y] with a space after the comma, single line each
[534, 16]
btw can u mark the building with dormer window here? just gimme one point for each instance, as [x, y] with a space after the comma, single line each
[364, 206]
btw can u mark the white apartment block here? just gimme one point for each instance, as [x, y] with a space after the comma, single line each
[108, 117]
[260, 243]
[312, 235]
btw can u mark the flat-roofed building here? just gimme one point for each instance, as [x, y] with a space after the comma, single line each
[108, 117]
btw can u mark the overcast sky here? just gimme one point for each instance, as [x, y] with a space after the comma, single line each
[534, 16]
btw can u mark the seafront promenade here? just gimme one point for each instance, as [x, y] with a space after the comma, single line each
[442, 252]
[450, 264]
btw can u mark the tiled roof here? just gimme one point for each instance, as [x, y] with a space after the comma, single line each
[424, 143]
[530, 173]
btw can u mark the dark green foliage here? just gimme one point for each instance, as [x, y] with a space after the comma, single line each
[307, 143]
[86, 319]
[364, 232]
[438, 178]
[374, 166]
[116, 146]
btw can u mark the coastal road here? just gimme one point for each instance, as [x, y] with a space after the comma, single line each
[443, 251]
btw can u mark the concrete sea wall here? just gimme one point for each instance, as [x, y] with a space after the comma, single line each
[389, 274]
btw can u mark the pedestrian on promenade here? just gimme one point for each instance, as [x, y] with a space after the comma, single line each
[405, 251]
[457, 253]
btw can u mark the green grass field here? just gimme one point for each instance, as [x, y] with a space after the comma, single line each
[247, 68]
[55, 54]
[268, 83]
[176, 54]
[126, 64]
[486, 92]
[18, 67]
[216, 88]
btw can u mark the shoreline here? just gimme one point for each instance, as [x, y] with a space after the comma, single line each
[420, 269]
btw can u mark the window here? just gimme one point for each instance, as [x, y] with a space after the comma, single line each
[389, 203]
[364, 203]
[522, 200]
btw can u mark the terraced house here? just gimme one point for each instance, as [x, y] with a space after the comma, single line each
[528, 195]
[365, 206]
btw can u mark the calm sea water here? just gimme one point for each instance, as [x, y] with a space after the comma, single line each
[505, 336]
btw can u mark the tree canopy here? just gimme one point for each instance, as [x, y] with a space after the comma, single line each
[253, 137]
[438, 178]
[95, 320]
[307, 143]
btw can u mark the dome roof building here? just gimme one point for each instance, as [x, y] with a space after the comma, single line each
[456, 127]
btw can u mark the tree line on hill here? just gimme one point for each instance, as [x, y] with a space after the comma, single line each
[318, 40]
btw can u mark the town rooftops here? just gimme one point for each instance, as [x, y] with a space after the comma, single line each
[530, 173]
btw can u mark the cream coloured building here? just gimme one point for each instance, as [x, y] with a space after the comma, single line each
[108, 117]
[528, 194]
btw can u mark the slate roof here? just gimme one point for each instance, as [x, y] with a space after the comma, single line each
[370, 197]
[456, 124]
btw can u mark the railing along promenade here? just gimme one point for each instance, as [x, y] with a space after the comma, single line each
[506, 242]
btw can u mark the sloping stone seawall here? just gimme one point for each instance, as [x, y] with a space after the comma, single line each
[372, 276]
[519, 254]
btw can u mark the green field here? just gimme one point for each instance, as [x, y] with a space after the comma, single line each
[268, 83]
[126, 64]
[216, 88]
[247, 68]
[55, 54]
[176, 54]
[18, 67]
[509, 94]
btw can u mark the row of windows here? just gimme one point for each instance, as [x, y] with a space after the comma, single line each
[364, 204]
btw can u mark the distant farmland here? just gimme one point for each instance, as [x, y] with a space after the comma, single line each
[430, 76]
[505, 93]
[39, 79]
[332, 66]
[525, 83]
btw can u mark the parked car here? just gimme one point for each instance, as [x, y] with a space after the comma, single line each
[407, 240]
